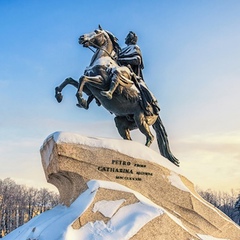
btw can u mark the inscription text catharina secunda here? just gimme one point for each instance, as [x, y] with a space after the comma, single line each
[126, 167]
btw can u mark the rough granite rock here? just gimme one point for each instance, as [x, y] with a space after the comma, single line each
[71, 162]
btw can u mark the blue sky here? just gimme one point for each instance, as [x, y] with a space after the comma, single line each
[191, 53]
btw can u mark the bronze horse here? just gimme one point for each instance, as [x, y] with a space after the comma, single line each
[126, 101]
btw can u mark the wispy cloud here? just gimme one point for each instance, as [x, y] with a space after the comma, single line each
[211, 160]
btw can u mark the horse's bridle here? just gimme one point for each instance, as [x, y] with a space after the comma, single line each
[100, 48]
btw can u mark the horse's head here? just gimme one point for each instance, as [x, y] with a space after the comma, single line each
[98, 39]
[95, 39]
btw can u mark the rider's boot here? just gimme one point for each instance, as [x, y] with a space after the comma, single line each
[111, 90]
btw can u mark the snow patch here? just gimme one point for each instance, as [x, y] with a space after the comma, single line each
[207, 237]
[95, 184]
[177, 182]
[55, 224]
[107, 208]
[127, 221]
[126, 147]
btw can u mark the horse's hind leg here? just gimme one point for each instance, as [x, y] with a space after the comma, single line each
[141, 123]
[124, 126]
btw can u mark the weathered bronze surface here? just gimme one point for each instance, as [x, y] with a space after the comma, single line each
[114, 79]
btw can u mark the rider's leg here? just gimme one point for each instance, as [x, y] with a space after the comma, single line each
[116, 73]
[120, 75]
[111, 90]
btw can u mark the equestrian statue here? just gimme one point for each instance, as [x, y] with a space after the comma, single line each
[114, 79]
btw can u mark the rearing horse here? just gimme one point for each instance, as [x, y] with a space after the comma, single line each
[126, 101]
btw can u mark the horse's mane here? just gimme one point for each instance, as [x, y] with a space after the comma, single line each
[114, 41]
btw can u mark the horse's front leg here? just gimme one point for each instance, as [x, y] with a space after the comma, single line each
[86, 79]
[58, 90]
[95, 80]
[82, 103]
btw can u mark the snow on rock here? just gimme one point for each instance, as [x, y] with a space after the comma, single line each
[55, 224]
[177, 182]
[130, 149]
[118, 189]
[207, 237]
[123, 225]
[107, 208]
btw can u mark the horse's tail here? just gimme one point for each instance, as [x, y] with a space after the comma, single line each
[162, 140]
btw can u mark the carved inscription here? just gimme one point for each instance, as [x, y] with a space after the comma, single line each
[118, 170]
[132, 172]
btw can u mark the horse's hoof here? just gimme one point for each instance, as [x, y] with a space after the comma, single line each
[78, 105]
[82, 104]
[78, 95]
[58, 94]
[59, 97]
